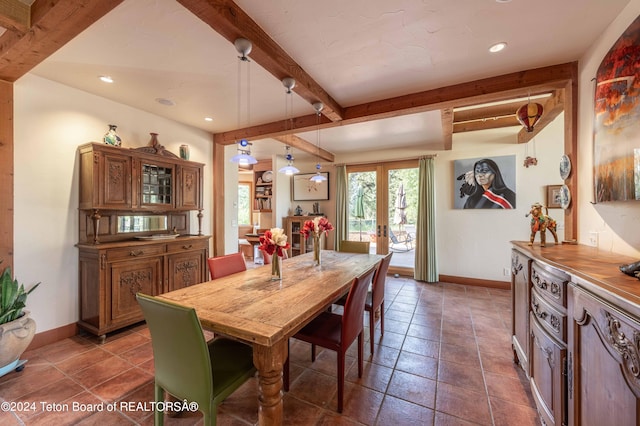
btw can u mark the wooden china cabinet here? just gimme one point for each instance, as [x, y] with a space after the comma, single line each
[135, 212]
[298, 244]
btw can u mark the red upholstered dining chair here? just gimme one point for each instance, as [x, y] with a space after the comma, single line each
[375, 298]
[337, 332]
[221, 266]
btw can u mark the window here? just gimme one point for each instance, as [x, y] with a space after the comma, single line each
[244, 204]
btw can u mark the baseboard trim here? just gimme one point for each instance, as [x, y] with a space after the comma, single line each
[503, 285]
[53, 335]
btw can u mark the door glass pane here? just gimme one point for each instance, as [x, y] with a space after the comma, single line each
[402, 214]
[362, 207]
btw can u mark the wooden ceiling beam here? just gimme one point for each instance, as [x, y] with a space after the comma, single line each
[447, 128]
[53, 24]
[15, 16]
[492, 89]
[553, 107]
[230, 21]
[306, 146]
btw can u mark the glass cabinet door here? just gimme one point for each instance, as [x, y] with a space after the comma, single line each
[157, 185]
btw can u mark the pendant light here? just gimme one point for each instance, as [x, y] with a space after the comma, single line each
[289, 169]
[289, 83]
[244, 157]
[318, 178]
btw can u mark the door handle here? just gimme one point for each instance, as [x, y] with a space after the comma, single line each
[379, 231]
[385, 231]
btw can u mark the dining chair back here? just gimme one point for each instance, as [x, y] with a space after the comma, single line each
[186, 365]
[375, 298]
[221, 266]
[354, 246]
[337, 332]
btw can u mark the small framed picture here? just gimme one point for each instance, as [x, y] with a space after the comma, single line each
[305, 190]
[554, 196]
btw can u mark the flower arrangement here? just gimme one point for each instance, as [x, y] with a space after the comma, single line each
[274, 242]
[316, 228]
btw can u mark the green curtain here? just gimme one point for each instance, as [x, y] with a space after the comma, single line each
[426, 263]
[342, 206]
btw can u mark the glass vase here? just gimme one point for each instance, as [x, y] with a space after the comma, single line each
[317, 249]
[276, 267]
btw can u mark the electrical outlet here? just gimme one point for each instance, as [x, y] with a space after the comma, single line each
[593, 238]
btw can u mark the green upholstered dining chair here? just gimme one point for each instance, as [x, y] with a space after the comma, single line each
[354, 246]
[337, 332]
[188, 367]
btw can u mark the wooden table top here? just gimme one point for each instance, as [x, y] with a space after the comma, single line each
[250, 306]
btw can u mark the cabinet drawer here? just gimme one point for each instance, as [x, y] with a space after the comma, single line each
[550, 283]
[180, 246]
[135, 251]
[554, 321]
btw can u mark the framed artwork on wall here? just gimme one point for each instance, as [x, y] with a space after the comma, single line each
[485, 183]
[554, 196]
[616, 151]
[305, 190]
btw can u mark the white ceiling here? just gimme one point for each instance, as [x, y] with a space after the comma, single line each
[357, 50]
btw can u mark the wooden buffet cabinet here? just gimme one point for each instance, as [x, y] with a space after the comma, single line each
[135, 209]
[576, 333]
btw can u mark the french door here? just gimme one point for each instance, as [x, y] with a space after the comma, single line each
[383, 207]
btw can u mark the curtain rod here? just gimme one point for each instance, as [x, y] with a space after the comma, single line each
[390, 161]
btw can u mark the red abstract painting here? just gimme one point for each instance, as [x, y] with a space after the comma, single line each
[617, 120]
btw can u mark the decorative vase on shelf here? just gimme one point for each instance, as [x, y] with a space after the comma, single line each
[154, 140]
[184, 152]
[111, 137]
[317, 249]
[276, 267]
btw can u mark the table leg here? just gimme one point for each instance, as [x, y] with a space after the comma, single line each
[269, 361]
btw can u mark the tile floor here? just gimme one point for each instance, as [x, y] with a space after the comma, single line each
[445, 359]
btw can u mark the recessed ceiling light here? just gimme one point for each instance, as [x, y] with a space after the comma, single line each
[208, 119]
[503, 1]
[106, 79]
[497, 47]
[167, 102]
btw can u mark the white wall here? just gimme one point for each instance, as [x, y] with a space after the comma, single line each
[617, 223]
[230, 200]
[476, 243]
[51, 121]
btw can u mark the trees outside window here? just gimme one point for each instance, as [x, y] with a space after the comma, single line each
[244, 204]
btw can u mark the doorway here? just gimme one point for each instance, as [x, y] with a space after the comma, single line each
[383, 207]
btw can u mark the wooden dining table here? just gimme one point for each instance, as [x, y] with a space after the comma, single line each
[251, 307]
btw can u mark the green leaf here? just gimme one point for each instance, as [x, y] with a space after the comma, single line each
[13, 297]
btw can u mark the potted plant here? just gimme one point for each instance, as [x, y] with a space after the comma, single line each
[17, 328]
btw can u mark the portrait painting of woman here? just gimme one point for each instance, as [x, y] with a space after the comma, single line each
[483, 185]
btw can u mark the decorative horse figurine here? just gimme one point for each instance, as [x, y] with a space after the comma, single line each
[541, 222]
